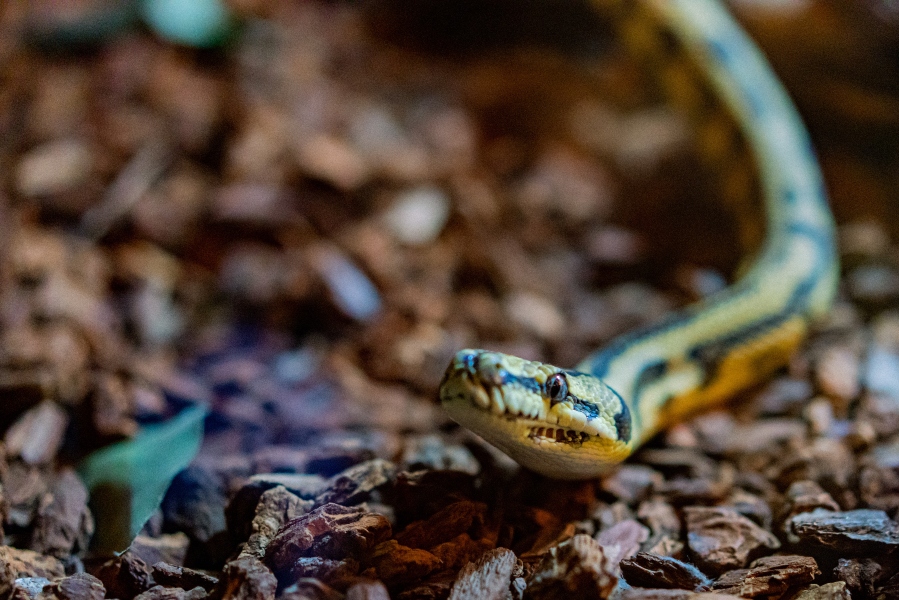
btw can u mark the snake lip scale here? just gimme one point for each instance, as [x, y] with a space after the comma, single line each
[579, 423]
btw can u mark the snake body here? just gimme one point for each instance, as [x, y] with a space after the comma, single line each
[578, 423]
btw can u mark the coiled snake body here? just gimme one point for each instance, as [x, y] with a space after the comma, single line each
[577, 423]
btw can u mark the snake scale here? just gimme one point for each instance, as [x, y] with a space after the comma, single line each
[578, 423]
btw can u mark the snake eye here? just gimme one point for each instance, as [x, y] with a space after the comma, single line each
[556, 388]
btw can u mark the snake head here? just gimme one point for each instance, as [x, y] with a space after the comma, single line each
[558, 422]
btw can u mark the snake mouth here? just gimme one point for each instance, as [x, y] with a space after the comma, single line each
[557, 435]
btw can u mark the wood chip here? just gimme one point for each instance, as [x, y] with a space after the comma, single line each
[396, 564]
[182, 577]
[653, 571]
[632, 483]
[577, 568]
[367, 590]
[38, 434]
[662, 594]
[487, 578]
[125, 576]
[80, 586]
[168, 548]
[835, 590]
[721, 539]
[861, 575]
[158, 592]
[15, 564]
[63, 524]
[805, 496]
[276, 507]
[310, 589]
[444, 525]
[622, 540]
[330, 531]
[769, 576]
[195, 504]
[247, 578]
[854, 532]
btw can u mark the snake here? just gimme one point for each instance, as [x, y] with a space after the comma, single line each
[581, 422]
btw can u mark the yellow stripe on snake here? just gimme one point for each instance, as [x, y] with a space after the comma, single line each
[579, 423]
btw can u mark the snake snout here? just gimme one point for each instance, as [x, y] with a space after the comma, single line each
[482, 367]
[490, 370]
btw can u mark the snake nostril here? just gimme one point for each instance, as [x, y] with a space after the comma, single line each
[469, 362]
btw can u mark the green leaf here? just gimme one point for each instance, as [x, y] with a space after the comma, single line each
[127, 480]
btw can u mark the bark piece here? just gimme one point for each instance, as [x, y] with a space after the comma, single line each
[862, 532]
[276, 507]
[444, 525]
[182, 577]
[396, 564]
[861, 575]
[23, 488]
[125, 576]
[680, 462]
[691, 490]
[334, 572]
[878, 488]
[241, 510]
[38, 434]
[721, 539]
[828, 461]
[194, 504]
[169, 548]
[805, 496]
[769, 576]
[654, 571]
[460, 551]
[63, 523]
[835, 590]
[158, 592]
[656, 594]
[28, 588]
[890, 589]
[664, 525]
[632, 483]
[622, 540]
[367, 590]
[16, 564]
[247, 578]
[330, 531]
[356, 483]
[436, 587]
[487, 578]
[113, 407]
[752, 507]
[310, 589]
[80, 586]
[576, 569]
